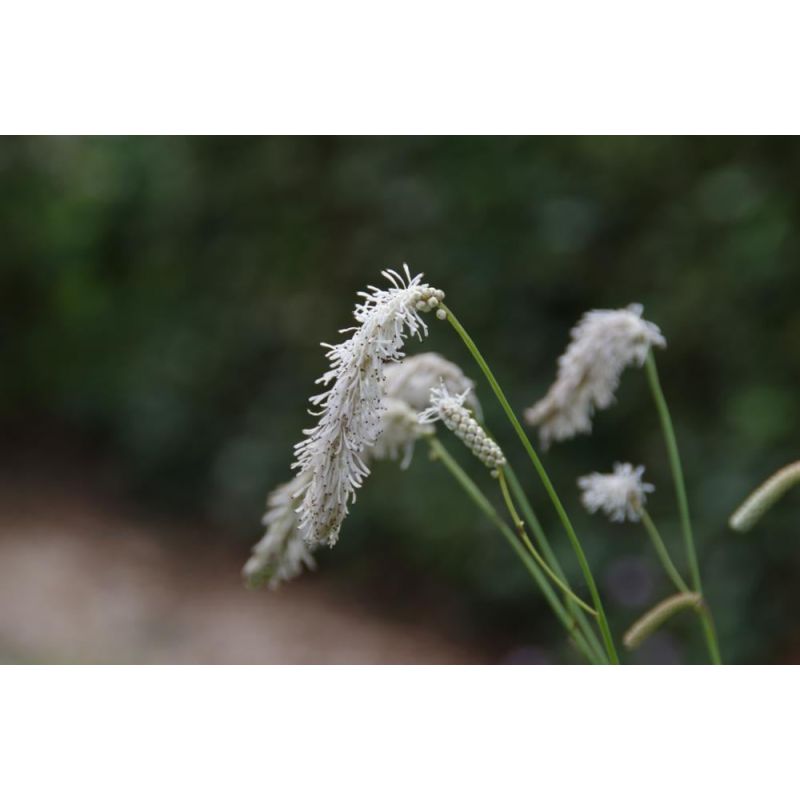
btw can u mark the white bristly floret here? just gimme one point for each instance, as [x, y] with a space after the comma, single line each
[352, 408]
[450, 409]
[281, 554]
[414, 377]
[408, 389]
[603, 344]
[401, 429]
[621, 495]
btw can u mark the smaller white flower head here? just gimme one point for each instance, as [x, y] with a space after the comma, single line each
[450, 409]
[281, 554]
[603, 344]
[413, 378]
[408, 388]
[620, 495]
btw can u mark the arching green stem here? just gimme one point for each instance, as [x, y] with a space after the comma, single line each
[520, 526]
[547, 552]
[543, 476]
[683, 503]
[663, 554]
[441, 454]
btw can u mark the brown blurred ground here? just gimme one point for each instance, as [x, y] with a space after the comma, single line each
[84, 581]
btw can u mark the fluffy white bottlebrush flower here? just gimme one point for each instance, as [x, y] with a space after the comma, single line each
[621, 494]
[413, 378]
[351, 410]
[408, 389]
[603, 344]
[450, 409]
[281, 554]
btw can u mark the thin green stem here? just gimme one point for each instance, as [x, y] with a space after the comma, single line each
[543, 476]
[441, 454]
[662, 552]
[520, 526]
[683, 503]
[548, 553]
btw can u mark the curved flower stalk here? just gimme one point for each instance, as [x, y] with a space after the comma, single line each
[451, 410]
[281, 554]
[604, 343]
[331, 456]
[764, 497]
[658, 615]
[445, 313]
[621, 495]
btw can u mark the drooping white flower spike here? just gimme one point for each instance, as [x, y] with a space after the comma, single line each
[281, 554]
[603, 344]
[621, 495]
[352, 408]
[450, 409]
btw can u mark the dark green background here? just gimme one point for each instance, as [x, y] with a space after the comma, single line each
[163, 300]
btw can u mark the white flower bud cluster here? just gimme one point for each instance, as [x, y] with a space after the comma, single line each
[429, 299]
[450, 409]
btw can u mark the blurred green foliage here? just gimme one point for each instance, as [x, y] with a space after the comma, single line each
[163, 298]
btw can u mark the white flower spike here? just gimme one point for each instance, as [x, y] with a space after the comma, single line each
[331, 455]
[603, 344]
[621, 495]
[281, 554]
[450, 409]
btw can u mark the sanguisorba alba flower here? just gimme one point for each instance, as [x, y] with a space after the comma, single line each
[413, 378]
[351, 409]
[604, 343]
[620, 495]
[282, 553]
[451, 410]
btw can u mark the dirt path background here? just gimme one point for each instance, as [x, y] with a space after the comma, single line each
[81, 582]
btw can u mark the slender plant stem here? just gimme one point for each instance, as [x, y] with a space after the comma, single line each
[683, 503]
[441, 454]
[663, 554]
[543, 476]
[520, 526]
[710, 633]
[548, 553]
